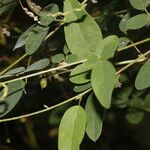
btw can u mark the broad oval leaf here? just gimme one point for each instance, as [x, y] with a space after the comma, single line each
[66, 49]
[35, 38]
[80, 74]
[134, 117]
[123, 41]
[58, 58]
[142, 80]
[41, 64]
[14, 95]
[71, 58]
[81, 31]
[15, 71]
[123, 22]
[94, 120]
[57, 114]
[137, 22]
[103, 81]
[21, 40]
[139, 4]
[106, 47]
[72, 129]
[44, 14]
[81, 88]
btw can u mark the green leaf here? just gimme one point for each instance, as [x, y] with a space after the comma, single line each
[81, 88]
[21, 40]
[15, 71]
[35, 38]
[71, 58]
[122, 97]
[103, 81]
[123, 22]
[124, 92]
[14, 95]
[94, 120]
[58, 58]
[106, 47]
[134, 117]
[80, 74]
[5, 5]
[123, 41]
[57, 114]
[142, 80]
[66, 49]
[72, 129]
[81, 31]
[137, 103]
[137, 22]
[139, 4]
[41, 64]
[45, 19]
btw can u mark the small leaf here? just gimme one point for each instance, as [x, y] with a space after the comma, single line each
[81, 88]
[35, 38]
[94, 120]
[14, 95]
[22, 38]
[5, 5]
[57, 114]
[72, 129]
[71, 58]
[103, 81]
[81, 31]
[58, 58]
[124, 92]
[123, 41]
[123, 22]
[134, 117]
[15, 71]
[66, 49]
[142, 80]
[139, 4]
[106, 47]
[137, 22]
[79, 74]
[41, 64]
[44, 14]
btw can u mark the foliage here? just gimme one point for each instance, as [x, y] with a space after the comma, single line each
[90, 57]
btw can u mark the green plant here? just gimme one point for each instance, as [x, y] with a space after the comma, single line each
[96, 73]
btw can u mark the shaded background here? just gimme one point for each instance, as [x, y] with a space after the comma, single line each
[40, 132]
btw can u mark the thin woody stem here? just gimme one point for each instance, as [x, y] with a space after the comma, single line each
[46, 109]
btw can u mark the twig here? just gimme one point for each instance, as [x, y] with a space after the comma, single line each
[45, 71]
[12, 65]
[77, 97]
[133, 62]
[134, 44]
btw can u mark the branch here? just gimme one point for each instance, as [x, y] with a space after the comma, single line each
[133, 62]
[134, 44]
[77, 97]
[13, 64]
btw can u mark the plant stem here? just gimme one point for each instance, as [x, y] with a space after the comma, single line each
[129, 61]
[45, 71]
[13, 64]
[134, 44]
[133, 62]
[77, 97]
